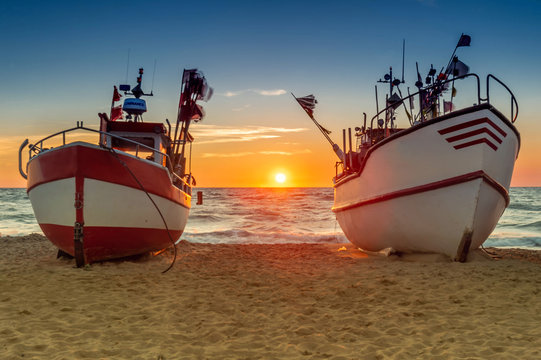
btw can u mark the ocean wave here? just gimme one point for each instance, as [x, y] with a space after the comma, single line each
[523, 241]
[291, 215]
[535, 225]
[205, 217]
[521, 206]
[251, 237]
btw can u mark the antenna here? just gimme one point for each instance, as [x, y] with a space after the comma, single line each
[403, 55]
[153, 73]
[377, 106]
[127, 66]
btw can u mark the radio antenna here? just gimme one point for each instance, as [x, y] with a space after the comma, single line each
[127, 66]
[403, 55]
[153, 73]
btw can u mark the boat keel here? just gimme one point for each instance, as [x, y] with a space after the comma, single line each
[464, 246]
[78, 247]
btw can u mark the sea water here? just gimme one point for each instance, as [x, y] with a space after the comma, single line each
[284, 215]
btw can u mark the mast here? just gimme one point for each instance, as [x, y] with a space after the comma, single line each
[193, 87]
[135, 106]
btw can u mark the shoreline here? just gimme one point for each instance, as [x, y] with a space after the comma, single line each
[274, 301]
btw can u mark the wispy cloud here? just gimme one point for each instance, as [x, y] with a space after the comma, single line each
[210, 134]
[275, 92]
[229, 155]
[270, 92]
[233, 93]
[241, 108]
[223, 155]
[286, 153]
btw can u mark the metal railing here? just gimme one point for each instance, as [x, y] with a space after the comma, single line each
[37, 148]
[514, 102]
[440, 84]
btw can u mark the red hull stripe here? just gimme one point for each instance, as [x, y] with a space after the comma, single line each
[81, 161]
[470, 124]
[428, 187]
[473, 133]
[475, 142]
[103, 243]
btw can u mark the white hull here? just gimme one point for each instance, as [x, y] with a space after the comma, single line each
[433, 188]
[115, 214]
[105, 205]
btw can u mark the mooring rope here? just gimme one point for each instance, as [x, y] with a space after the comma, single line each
[155, 205]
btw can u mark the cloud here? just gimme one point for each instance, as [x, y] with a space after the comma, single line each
[241, 108]
[287, 153]
[222, 155]
[233, 93]
[229, 155]
[212, 134]
[270, 92]
[275, 92]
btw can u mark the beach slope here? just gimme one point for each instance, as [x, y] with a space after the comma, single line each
[287, 301]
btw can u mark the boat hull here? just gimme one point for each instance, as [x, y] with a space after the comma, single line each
[440, 187]
[88, 185]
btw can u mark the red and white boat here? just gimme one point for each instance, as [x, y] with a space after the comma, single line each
[126, 194]
[438, 186]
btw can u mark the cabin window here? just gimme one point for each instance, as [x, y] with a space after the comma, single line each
[130, 146]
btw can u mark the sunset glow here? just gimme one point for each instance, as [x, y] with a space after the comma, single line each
[280, 178]
[253, 128]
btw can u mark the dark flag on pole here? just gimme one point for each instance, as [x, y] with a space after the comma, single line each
[464, 40]
[308, 103]
[460, 69]
[457, 68]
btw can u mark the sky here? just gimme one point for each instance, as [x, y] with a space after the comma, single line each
[60, 59]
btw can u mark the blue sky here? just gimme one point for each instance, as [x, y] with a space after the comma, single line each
[60, 59]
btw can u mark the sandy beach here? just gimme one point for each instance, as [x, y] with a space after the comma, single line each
[292, 301]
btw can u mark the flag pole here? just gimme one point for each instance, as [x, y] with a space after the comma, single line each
[335, 147]
[112, 105]
[317, 124]
[459, 44]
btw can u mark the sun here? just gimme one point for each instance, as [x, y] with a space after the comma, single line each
[280, 178]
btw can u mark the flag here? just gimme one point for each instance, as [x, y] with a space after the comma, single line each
[453, 92]
[419, 82]
[116, 95]
[206, 91]
[457, 68]
[464, 40]
[308, 103]
[448, 106]
[394, 101]
[187, 74]
[198, 113]
[460, 69]
[116, 113]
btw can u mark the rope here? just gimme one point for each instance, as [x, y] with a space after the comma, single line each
[153, 203]
[491, 254]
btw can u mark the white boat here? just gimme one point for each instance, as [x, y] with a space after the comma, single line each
[127, 193]
[438, 186]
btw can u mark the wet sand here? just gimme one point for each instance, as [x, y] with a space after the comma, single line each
[293, 301]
